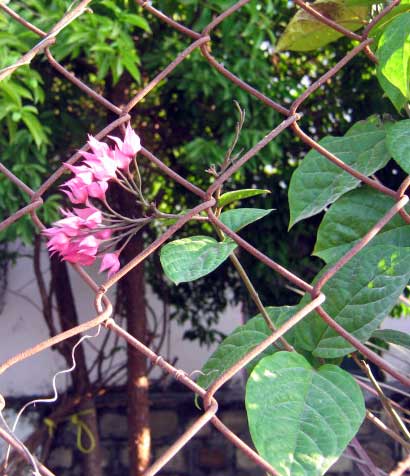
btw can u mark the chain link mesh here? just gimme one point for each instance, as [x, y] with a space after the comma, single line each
[200, 41]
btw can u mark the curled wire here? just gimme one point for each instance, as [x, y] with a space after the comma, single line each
[52, 399]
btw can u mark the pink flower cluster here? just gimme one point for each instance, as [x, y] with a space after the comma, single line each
[78, 236]
[91, 179]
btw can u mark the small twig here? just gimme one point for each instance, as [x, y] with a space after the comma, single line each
[385, 429]
[238, 129]
[359, 378]
[227, 159]
[395, 418]
[350, 454]
[366, 462]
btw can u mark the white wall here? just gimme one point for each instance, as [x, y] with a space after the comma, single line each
[22, 326]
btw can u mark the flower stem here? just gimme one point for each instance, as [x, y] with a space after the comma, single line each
[116, 213]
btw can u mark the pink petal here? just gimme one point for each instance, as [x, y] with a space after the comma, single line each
[122, 160]
[97, 190]
[77, 190]
[92, 216]
[111, 263]
[103, 167]
[98, 148]
[132, 143]
[81, 172]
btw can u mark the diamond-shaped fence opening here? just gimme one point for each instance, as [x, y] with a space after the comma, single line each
[202, 42]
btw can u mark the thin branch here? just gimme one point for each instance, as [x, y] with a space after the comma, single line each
[401, 467]
[45, 295]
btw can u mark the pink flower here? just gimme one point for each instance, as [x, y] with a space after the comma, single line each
[76, 190]
[79, 190]
[111, 263]
[102, 167]
[92, 216]
[99, 148]
[77, 236]
[81, 172]
[83, 251]
[127, 148]
[123, 161]
[71, 238]
[97, 190]
[58, 240]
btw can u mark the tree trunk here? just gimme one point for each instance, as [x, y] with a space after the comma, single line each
[91, 462]
[133, 292]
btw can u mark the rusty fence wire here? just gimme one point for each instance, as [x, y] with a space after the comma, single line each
[104, 308]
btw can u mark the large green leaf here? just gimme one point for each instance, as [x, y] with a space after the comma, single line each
[241, 341]
[392, 336]
[377, 31]
[301, 419]
[191, 258]
[234, 195]
[358, 297]
[398, 143]
[351, 217]
[305, 33]
[317, 182]
[241, 217]
[393, 53]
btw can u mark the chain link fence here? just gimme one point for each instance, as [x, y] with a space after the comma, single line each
[104, 309]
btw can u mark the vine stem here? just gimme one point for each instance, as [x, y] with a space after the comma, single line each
[254, 295]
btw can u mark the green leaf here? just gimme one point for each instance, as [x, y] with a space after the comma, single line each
[358, 297]
[229, 197]
[191, 258]
[351, 217]
[393, 337]
[9, 90]
[130, 66]
[398, 143]
[242, 340]
[377, 31]
[135, 20]
[317, 182]
[393, 53]
[35, 127]
[305, 33]
[301, 419]
[241, 217]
